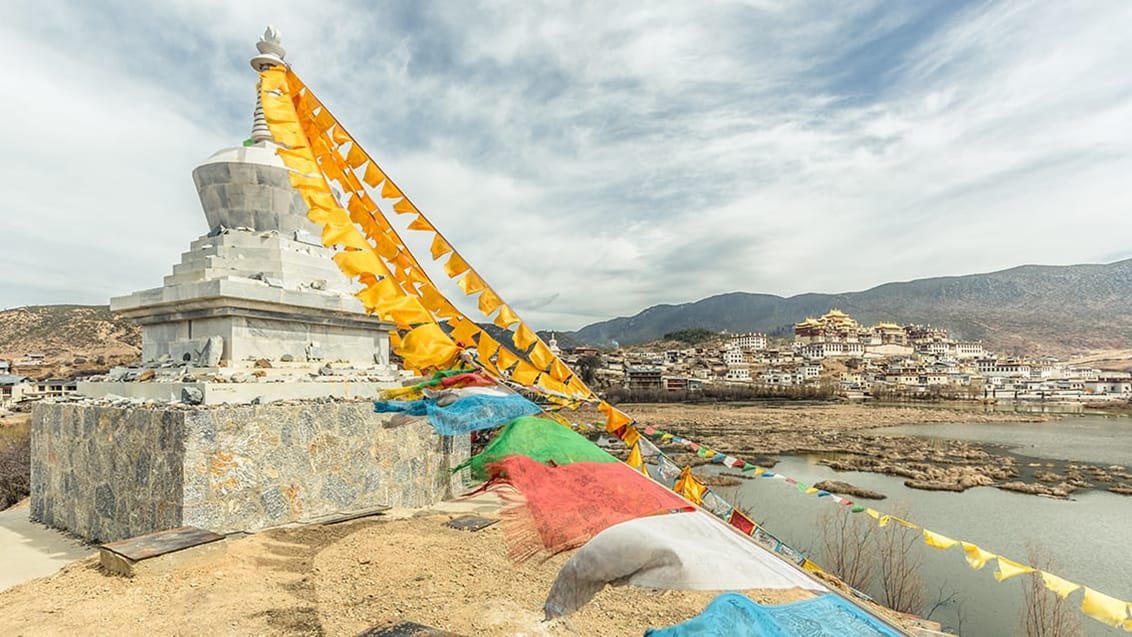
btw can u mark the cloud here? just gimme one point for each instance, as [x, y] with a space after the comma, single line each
[596, 160]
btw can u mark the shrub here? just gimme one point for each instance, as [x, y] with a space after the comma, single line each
[15, 468]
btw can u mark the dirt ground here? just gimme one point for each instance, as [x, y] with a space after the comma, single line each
[341, 580]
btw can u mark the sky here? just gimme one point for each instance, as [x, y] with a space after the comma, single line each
[592, 159]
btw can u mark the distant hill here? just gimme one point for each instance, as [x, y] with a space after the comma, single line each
[1031, 309]
[66, 332]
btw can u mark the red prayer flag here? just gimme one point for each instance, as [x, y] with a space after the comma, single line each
[741, 522]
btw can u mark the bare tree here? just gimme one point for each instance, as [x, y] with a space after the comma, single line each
[847, 546]
[1044, 613]
[900, 558]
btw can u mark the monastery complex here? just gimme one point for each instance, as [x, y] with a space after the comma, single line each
[838, 355]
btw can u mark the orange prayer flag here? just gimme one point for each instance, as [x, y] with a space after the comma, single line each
[404, 207]
[389, 190]
[489, 302]
[455, 266]
[324, 119]
[420, 223]
[355, 157]
[440, 247]
[339, 136]
[373, 175]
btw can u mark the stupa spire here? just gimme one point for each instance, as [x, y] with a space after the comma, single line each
[271, 54]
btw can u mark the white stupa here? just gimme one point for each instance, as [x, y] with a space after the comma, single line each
[258, 285]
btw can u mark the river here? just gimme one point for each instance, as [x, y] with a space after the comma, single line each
[1089, 536]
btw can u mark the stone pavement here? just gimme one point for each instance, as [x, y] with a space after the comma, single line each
[29, 550]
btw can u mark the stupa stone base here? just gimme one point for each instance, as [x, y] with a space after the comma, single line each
[106, 473]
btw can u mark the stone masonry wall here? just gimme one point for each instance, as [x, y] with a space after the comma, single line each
[249, 467]
[105, 473]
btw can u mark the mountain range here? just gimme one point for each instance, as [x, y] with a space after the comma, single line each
[1030, 309]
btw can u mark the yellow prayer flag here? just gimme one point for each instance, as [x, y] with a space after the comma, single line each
[373, 175]
[525, 374]
[489, 302]
[300, 181]
[874, 514]
[404, 206]
[506, 359]
[559, 370]
[420, 223]
[427, 347]
[541, 356]
[811, 490]
[688, 486]
[1105, 609]
[279, 110]
[288, 134]
[404, 310]
[372, 295]
[615, 419]
[976, 557]
[440, 247]
[938, 541]
[901, 522]
[487, 348]
[1062, 587]
[524, 338]
[1010, 568]
[355, 262]
[455, 266]
[273, 79]
[631, 436]
[464, 332]
[506, 317]
[299, 160]
[471, 283]
[344, 235]
[549, 383]
[389, 190]
[333, 215]
[808, 565]
[635, 459]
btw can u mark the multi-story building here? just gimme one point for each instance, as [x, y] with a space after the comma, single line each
[749, 341]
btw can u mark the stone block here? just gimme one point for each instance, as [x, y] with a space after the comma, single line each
[162, 552]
